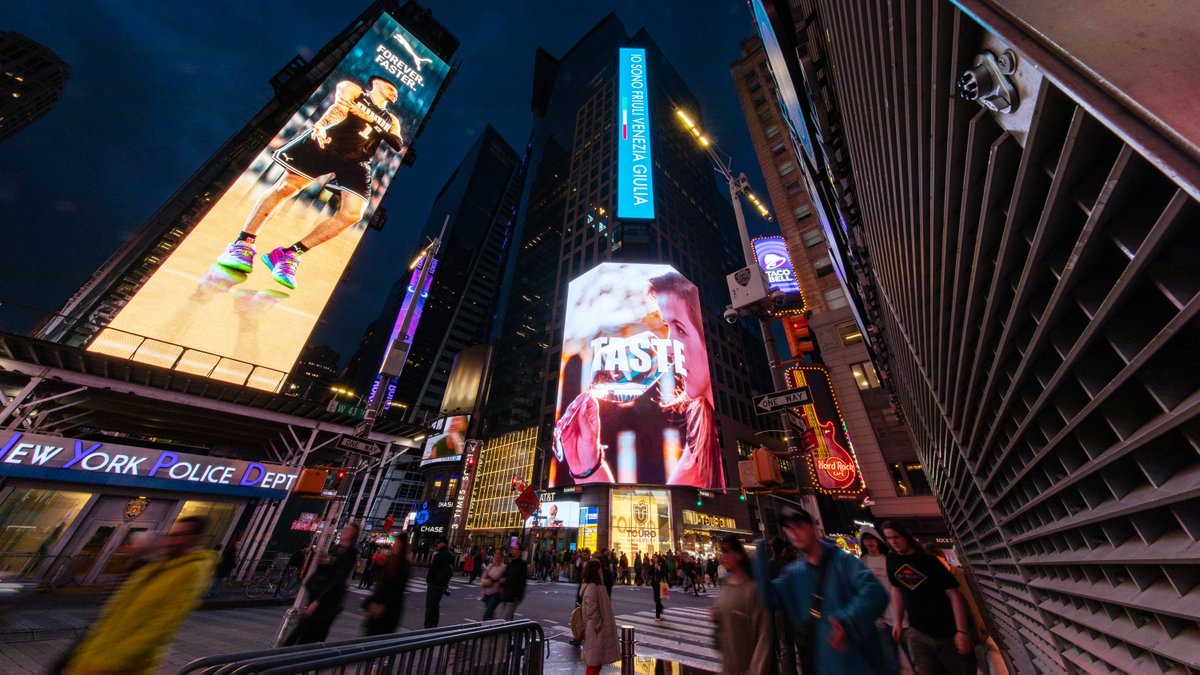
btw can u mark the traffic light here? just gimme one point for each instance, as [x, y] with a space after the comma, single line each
[799, 337]
[742, 496]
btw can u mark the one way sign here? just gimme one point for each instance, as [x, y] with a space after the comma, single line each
[781, 400]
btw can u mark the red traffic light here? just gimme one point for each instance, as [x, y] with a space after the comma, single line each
[341, 474]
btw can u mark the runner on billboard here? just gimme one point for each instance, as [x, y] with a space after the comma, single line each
[578, 430]
[341, 143]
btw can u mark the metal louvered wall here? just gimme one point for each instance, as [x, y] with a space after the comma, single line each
[1035, 294]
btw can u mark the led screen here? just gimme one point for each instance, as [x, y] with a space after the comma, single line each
[237, 299]
[449, 443]
[555, 514]
[772, 256]
[635, 173]
[635, 400]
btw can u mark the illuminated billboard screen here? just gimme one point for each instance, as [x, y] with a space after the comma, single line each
[555, 514]
[635, 170]
[772, 256]
[635, 400]
[449, 444]
[237, 299]
[832, 463]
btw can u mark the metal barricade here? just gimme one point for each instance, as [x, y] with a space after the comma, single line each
[499, 647]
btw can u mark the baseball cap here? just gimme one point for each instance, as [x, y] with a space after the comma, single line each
[794, 516]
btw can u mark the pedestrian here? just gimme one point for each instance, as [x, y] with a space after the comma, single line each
[437, 582]
[490, 583]
[926, 594]
[606, 572]
[831, 598]
[623, 566]
[874, 555]
[600, 644]
[637, 568]
[711, 571]
[225, 567]
[295, 562]
[139, 622]
[656, 576]
[476, 565]
[326, 588]
[513, 583]
[782, 555]
[386, 604]
[744, 634]
[469, 566]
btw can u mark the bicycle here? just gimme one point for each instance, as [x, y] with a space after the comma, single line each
[285, 586]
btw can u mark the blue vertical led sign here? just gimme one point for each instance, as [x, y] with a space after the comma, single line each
[635, 169]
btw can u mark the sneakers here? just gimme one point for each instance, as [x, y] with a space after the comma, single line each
[238, 256]
[283, 263]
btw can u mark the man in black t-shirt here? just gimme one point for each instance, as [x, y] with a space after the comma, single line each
[938, 636]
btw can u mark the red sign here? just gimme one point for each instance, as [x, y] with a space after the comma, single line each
[527, 502]
[826, 442]
[389, 522]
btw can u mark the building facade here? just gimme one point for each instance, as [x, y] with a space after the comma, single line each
[314, 373]
[569, 226]
[1023, 255]
[32, 78]
[886, 455]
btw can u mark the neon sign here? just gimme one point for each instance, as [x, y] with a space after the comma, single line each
[635, 169]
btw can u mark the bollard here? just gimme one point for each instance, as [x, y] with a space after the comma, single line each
[627, 650]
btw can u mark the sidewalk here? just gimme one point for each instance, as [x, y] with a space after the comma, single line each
[565, 659]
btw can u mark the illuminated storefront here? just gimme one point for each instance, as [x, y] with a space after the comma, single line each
[492, 514]
[69, 508]
[640, 522]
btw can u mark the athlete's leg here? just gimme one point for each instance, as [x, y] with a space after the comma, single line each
[289, 185]
[350, 212]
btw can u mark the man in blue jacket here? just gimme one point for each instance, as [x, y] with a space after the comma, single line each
[831, 598]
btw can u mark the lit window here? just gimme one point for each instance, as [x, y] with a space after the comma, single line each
[850, 334]
[864, 375]
[813, 237]
[772, 131]
[786, 168]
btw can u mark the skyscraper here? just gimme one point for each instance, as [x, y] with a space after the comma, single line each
[569, 226]
[314, 373]
[883, 446]
[32, 77]
[1015, 213]
[479, 199]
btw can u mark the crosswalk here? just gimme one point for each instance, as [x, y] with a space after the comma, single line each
[415, 585]
[686, 635]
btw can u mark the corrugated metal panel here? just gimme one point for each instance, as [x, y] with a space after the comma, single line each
[1037, 299]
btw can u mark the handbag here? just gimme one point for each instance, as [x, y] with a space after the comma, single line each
[576, 622]
[664, 591]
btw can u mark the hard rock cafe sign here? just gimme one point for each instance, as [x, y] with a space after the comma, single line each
[827, 444]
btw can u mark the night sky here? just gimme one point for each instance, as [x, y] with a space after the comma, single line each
[158, 87]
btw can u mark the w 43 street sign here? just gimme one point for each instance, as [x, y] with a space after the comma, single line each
[782, 400]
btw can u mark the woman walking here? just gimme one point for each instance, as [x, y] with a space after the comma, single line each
[656, 574]
[600, 626]
[386, 604]
[744, 633]
[490, 581]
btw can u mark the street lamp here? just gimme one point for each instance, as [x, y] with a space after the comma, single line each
[739, 185]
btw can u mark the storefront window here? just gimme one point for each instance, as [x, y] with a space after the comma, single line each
[33, 523]
[641, 521]
[220, 518]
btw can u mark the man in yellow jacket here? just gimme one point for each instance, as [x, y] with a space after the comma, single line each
[138, 623]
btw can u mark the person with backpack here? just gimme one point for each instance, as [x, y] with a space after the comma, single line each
[831, 598]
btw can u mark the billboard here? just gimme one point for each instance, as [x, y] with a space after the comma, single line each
[830, 455]
[237, 299]
[635, 400]
[555, 514]
[640, 521]
[450, 443]
[635, 169]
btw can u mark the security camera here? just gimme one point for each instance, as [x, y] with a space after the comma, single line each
[778, 297]
[731, 316]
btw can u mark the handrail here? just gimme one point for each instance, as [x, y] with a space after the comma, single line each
[498, 646]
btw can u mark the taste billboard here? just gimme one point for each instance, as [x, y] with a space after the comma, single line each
[238, 297]
[635, 400]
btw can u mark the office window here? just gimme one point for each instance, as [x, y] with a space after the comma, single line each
[786, 168]
[812, 237]
[823, 266]
[801, 212]
[793, 189]
[835, 298]
[772, 131]
[864, 375]
[850, 334]
[778, 149]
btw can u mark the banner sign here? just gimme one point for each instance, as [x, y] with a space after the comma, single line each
[706, 520]
[635, 169]
[772, 256]
[67, 459]
[831, 460]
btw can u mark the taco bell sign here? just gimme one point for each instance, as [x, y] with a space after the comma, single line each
[772, 255]
[635, 169]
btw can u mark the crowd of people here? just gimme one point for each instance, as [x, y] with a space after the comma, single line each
[799, 605]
